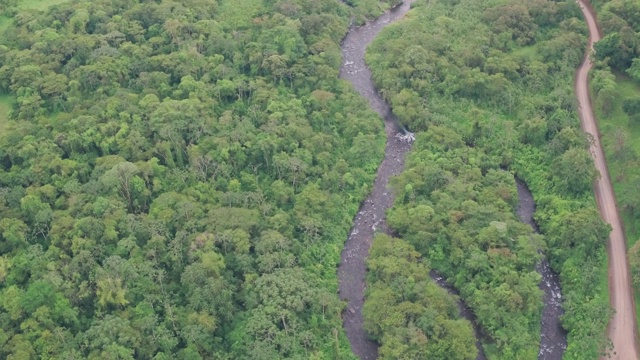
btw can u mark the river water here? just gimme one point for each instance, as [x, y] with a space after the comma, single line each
[553, 338]
[371, 216]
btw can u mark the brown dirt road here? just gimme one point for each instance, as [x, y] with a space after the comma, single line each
[622, 327]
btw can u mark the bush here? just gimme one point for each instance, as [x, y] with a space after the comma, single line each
[631, 107]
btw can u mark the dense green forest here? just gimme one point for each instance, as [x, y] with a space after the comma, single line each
[177, 179]
[488, 88]
[615, 87]
[411, 316]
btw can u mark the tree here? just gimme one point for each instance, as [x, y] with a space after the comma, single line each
[631, 107]
[123, 178]
[630, 199]
[622, 151]
[606, 98]
[574, 171]
[634, 263]
[404, 310]
[514, 19]
[534, 131]
[114, 333]
[14, 234]
[618, 47]
[110, 292]
[584, 230]
[634, 69]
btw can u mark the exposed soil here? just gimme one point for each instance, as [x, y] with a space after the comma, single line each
[622, 327]
[553, 338]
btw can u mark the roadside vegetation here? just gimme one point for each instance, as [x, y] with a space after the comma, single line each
[615, 87]
[177, 179]
[488, 88]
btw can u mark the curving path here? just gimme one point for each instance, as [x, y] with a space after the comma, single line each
[622, 327]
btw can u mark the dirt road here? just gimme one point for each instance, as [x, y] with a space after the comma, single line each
[622, 328]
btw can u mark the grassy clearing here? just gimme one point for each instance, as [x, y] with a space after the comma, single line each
[622, 175]
[238, 14]
[6, 102]
[5, 21]
[39, 4]
[529, 52]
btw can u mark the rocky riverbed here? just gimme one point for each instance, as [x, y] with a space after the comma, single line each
[553, 338]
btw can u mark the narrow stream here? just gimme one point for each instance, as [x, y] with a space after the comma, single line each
[553, 338]
[371, 216]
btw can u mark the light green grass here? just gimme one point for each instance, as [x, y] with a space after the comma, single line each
[38, 4]
[6, 102]
[529, 52]
[5, 21]
[622, 175]
[234, 14]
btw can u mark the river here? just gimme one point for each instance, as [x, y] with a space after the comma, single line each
[371, 216]
[553, 338]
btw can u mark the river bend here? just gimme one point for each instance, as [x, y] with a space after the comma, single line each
[371, 216]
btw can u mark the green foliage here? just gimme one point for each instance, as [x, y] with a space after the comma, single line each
[236, 14]
[177, 179]
[6, 102]
[370, 9]
[488, 87]
[464, 224]
[620, 46]
[634, 264]
[412, 317]
[574, 171]
[632, 108]
[620, 24]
